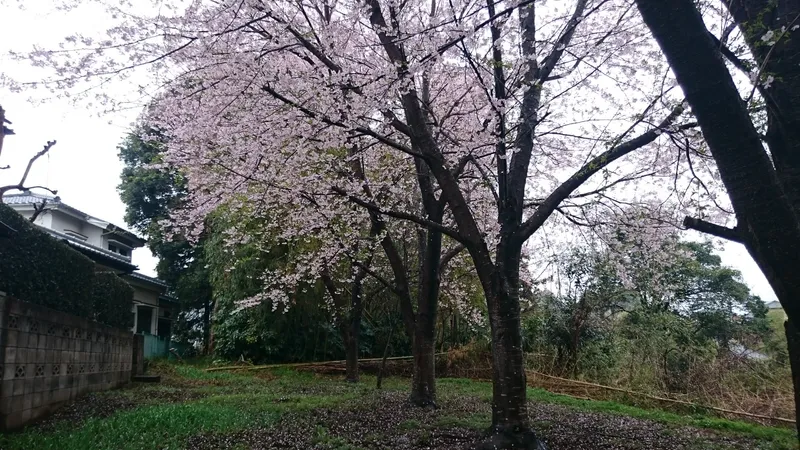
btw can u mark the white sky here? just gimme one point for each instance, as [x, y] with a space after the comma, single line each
[84, 166]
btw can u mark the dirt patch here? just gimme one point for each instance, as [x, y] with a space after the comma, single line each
[565, 428]
[389, 422]
[98, 405]
[94, 405]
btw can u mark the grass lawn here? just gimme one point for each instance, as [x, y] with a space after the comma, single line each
[194, 409]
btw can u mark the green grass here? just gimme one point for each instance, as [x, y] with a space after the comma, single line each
[167, 425]
[225, 402]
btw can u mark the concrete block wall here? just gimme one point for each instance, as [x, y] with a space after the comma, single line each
[48, 358]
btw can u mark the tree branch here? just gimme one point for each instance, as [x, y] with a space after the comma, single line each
[563, 41]
[729, 55]
[366, 131]
[38, 209]
[3, 129]
[597, 163]
[21, 185]
[400, 215]
[377, 276]
[445, 47]
[449, 255]
[731, 234]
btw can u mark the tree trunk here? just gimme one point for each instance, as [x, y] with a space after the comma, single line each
[214, 307]
[350, 337]
[207, 327]
[350, 324]
[423, 386]
[767, 222]
[793, 344]
[382, 370]
[510, 424]
[353, 326]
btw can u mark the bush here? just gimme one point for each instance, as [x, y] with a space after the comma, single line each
[35, 267]
[112, 300]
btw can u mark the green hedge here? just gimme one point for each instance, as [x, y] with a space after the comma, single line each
[36, 267]
[113, 300]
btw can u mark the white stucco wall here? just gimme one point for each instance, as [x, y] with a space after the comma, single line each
[62, 222]
[144, 296]
[44, 219]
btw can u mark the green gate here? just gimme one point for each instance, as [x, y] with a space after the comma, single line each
[155, 346]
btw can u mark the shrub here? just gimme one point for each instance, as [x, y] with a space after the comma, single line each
[37, 268]
[112, 300]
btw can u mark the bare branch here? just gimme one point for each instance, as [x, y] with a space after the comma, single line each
[731, 234]
[377, 276]
[3, 129]
[730, 56]
[336, 123]
[38, 209]
[449, 255]
[445, 47]
[597, 163]
[400, 215]
[21, 185]
[563, 41]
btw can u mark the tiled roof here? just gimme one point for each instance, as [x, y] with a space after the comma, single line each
[144, 277]
[26, 199]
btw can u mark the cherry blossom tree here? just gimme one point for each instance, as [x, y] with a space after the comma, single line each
[472, 121]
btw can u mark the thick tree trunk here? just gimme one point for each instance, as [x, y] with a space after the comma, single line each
[793, 343]
[510, 424]
[423, 384]
[423, 387]
[780, 61]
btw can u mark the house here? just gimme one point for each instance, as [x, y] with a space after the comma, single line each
[774, 305]
[776, 311]
[110, 247]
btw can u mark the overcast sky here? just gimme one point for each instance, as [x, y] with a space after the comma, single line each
[84, 166]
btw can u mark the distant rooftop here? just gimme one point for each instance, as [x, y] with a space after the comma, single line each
[774, 305]
[55, 203]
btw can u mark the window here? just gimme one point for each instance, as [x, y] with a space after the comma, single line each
[119, 250]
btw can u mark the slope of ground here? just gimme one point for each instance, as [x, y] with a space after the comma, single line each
[193, 409]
